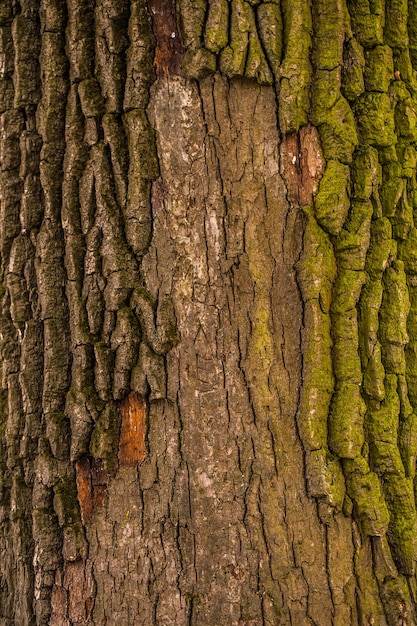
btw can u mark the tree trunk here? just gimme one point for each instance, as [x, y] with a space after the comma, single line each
[208, 321]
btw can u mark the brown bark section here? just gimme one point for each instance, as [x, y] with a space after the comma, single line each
[242, 489]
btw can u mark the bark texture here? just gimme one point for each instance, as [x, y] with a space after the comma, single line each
[208, 312]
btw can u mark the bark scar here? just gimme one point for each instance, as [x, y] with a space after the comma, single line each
[132, 447]
[92, 480]
[302, 165]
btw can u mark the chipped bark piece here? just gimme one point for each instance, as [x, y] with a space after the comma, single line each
[132, 448]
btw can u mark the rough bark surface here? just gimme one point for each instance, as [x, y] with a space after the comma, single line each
[208, 312]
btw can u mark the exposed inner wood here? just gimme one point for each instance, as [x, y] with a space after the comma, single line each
[132, 445]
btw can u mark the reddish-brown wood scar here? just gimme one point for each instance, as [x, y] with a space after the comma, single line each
[91, 478]
[132, 448]
[169, 50]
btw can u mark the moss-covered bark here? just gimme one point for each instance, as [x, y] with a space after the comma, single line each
[208, 302]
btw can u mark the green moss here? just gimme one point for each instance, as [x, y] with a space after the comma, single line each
[366, 173]
[393, 318]
[407, 156]
[329, 28]
[216, 34]
[92, 103]
[374, 375]
[411, 371]
[332, 202]
[406, 119]
[346, 361]
[387, 154]
[364, 489]
[352, 72]
[395, 598]
[379, 68]
[141, 143]
[233, 57]
[345, 425]
[256, 64]
[244, 56]
[403, 219]
[326, 92]
[317, 376]
[395, 28]
[192, 14]
[270, 29]
[105, 438]
[411, 347]
[386, 459]
[316, 269]
[382, 420]
[198, 63]
[295, 68]
[407, 434]
[66, 501]
[337, 129]
[367, 21]
[346, 291]
[404, 67]
[261, 344]
[405, 405]
[381, 248]
[402, 530]
[399, 92]
[412, 31]
[325, 478]
[375, 119]
[316, 272]
[353, 241]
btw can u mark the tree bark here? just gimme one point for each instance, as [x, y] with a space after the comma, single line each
[208, 304]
